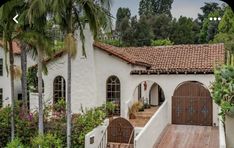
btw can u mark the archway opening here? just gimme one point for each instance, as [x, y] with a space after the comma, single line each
[149, 93]
[147, 98]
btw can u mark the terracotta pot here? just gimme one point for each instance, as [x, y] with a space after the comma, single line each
[132, 116]
[229, 124]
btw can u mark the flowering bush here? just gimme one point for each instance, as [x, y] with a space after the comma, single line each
[26, 126]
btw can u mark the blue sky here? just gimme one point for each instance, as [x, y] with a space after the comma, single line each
[189, 8]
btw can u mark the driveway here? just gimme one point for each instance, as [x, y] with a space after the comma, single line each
[187, 136]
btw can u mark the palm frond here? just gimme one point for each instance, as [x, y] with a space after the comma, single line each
[70, 45]
[17, 72]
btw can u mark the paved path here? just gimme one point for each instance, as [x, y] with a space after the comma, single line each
[187, 136]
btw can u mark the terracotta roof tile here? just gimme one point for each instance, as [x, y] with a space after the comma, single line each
[178, 58]
[15, 45]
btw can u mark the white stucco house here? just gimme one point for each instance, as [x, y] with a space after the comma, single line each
[5, 91]
[179, 75]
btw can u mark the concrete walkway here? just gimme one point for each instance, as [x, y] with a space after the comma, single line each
[187, 136]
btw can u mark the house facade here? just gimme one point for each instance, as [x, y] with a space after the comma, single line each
[5, 86]
[180, 74]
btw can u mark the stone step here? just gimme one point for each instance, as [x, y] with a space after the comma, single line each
[119, 145]
[143, 116]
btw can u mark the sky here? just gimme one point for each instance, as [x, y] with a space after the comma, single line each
[189, 8]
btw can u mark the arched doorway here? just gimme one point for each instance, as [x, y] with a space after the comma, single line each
[156, 95]
[192, 104]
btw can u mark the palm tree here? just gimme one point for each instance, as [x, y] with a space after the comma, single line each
[71, 15]
[36, 37]
[24, 73]
[7, 11]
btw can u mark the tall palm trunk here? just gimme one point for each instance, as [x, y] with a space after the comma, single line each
[69, 100]
[24, 74]
[11, 57]
[40, 97]
[69, 30]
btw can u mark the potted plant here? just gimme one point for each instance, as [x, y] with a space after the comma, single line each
[134, 109]
[223, 95]
[110, 108]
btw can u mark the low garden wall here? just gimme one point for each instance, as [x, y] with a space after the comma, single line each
[33, 101]
[222, 140]
[152, 130]
[94, 138]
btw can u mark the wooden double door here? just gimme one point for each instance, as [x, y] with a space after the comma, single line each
[192, 105]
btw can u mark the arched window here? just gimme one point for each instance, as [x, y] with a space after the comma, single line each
[113, 92]
[59, 88]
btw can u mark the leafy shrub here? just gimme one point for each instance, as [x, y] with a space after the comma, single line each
[16, 143]
[26, 126]
[161, 42]
[223, 89]
[110, 108]
[85, 123]
[5, 127]
[47, 141]
[114, 42]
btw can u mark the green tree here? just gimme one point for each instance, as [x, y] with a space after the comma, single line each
[122, 13]
[207, 9]
[72, 15]
[142, 32]
[226, 25]
[161, 42]
[146, 7]
[226, 34]
[183, 31]
[210, 27]
[8, 27]
[161, 25]
[37, 15]
[155, 7]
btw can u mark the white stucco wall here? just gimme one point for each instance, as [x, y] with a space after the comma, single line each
[89, 77]
[83, 81]
[5, 80]
[17, 62]
[153, 129]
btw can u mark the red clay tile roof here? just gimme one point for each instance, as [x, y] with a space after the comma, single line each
[171, 59]
[122, 54]
[16, 47]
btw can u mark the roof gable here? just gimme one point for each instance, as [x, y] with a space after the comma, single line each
[200, 58]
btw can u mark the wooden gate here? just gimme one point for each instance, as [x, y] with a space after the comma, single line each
[120, 130]
[192, 104]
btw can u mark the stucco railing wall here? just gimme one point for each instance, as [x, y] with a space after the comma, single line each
[33, 101]
[152, 130]
[128, 104]
[97, 135]
[222, 139]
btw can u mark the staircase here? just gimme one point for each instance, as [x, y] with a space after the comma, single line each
[143, 117]
[119, 145]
